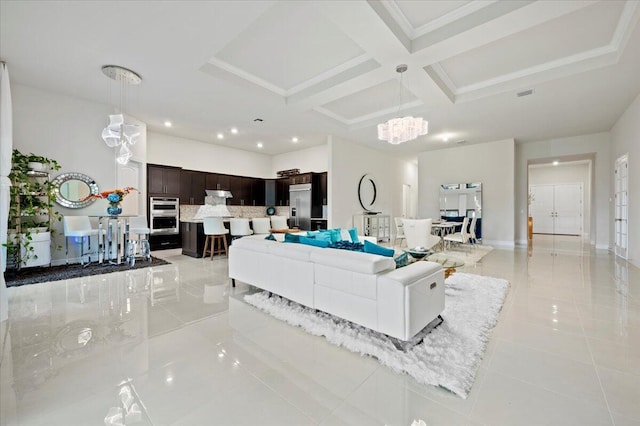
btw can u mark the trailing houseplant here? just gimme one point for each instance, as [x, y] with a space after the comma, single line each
[32, 198]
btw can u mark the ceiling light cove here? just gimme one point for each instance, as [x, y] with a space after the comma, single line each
[220, 136]
[168, 124]
[234, 130]
[294, 139]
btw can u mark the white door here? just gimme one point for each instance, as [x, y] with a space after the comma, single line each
[541, 209]
[556, 208]
[622, 207]
[568, 209]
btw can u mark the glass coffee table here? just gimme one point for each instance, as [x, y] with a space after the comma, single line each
[449, 263]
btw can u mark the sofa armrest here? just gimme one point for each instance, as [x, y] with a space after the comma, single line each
[409, 298]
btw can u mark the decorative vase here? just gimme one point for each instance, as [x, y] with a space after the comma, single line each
[114, 209]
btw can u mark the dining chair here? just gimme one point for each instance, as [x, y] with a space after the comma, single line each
[80, 227]
[399, 232]
[216, 235]
[261, 225]
[240, 228]
[461, 237]
[472, 232]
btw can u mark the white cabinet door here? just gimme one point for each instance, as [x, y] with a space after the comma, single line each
[541, 209]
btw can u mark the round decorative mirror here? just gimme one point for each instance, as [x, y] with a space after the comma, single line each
[72, 188]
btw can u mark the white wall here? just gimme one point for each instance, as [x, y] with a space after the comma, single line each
[68, 130]
[314, 159]
[625, 137]
[206, 157]
[567, 173]
[348, 162]
[597, 147]
[490, 163]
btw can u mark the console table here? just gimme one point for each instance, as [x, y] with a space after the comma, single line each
[373, 225]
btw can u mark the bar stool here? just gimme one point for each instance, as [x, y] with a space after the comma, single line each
[261, 225]
[239, 228]
[216, 233]
[80, 227]
[279, 222]
[138, 226]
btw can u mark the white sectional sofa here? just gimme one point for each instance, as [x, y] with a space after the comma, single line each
[363, 288]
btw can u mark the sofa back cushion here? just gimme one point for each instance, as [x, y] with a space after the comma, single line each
[353, 261]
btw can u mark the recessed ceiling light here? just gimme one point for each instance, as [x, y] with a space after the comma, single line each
[294, 139]
[445, 138]
[259, 145]
[234, 130]
[555, 163]
[167, 124]
[220, 136]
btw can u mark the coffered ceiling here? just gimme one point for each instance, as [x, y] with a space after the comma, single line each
[314, 68]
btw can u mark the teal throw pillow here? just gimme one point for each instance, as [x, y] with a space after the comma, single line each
[353, 233]
[314, 242]
[402, 260]
[318, 235]
[270, 237]
[334, 233]
[291, 238]
[372, 248]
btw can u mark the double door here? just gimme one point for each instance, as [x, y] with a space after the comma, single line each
[556, 208]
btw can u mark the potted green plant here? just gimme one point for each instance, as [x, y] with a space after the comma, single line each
[31, 211]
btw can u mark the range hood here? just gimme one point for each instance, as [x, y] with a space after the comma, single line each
[218, 193]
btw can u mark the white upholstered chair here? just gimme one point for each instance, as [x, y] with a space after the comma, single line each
[216, 235]
[399, 231]
[418, 233]
[461, 237]
[261, 225]
[80, 227]
[240, 227]
[279, 222]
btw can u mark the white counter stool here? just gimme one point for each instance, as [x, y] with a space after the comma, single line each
[279, 222]
[138, 226]
[240, 228]
[80, 227]
[216, 235]
[261, 225]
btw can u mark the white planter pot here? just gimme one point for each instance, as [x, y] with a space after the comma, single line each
[38, 167]
[41, 243]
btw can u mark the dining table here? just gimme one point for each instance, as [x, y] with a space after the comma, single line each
[444, 228]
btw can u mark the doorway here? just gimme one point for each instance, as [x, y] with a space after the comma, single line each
[557, 208]
[621, 230]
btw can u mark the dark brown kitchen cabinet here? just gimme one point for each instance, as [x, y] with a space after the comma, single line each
[217, 181]
[258, 192]
[192, 238]
[163, 181]
[192, 186]
[236, 188]
[298, 179]
[282, 192]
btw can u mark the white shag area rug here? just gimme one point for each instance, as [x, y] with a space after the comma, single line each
[461, 254]
[449, 356]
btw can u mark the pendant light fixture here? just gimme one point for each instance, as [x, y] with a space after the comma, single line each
[399, 130]
[119, 134]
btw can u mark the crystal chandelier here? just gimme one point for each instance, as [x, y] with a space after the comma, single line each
[118, 133]
[399, 130]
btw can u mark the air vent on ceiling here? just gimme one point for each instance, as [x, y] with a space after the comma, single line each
[461, 141]
[258, 120]
[525, 93]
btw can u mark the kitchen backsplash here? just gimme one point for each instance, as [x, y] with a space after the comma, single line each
[188, 212]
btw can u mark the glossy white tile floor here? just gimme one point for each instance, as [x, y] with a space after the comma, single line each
[566, 351]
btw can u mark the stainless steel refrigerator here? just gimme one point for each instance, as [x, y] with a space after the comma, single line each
[300, 206]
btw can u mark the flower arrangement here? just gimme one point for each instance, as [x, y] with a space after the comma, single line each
[114, 196]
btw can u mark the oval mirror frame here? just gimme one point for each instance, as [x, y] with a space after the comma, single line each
[66, 177]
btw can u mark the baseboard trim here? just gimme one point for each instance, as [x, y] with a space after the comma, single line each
[499, 243]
